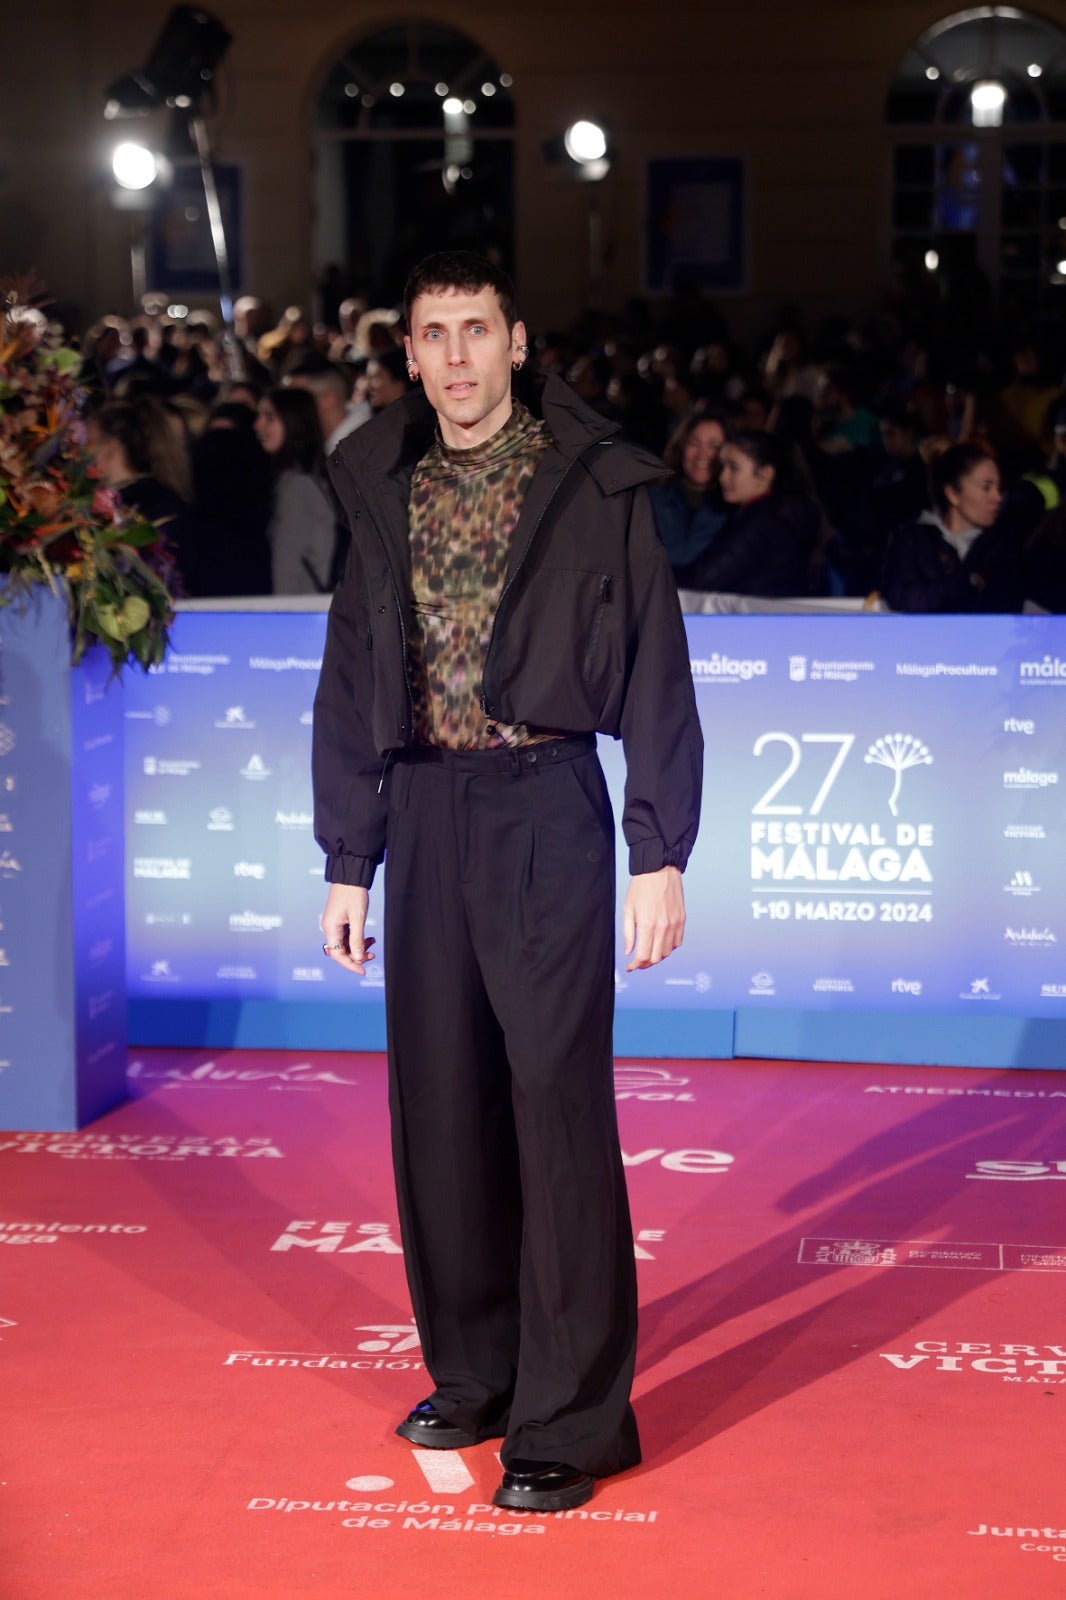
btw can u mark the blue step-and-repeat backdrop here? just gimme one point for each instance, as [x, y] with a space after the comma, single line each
[882, 834]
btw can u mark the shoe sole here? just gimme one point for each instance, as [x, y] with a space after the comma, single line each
[438, 1439]
[545, 1499]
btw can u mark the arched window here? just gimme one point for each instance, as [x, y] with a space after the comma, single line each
[977, 112]
[413, 133]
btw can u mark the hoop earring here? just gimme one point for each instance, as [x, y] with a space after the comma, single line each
[412, 372]
[523, 352]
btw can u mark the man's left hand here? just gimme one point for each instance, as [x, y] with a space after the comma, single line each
[653, 917]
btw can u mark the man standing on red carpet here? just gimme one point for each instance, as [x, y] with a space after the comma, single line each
[505, 598]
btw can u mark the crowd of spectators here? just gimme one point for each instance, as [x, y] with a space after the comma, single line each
[856, 460]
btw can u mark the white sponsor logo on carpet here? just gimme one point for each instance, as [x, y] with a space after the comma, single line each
[944, 1253]
[134, 1146]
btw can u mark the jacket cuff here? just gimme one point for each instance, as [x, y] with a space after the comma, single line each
[651, 855]
[358, 871]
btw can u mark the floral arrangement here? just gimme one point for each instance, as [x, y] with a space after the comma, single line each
[59, 525]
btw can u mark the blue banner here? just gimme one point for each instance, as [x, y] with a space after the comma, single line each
[883, 824]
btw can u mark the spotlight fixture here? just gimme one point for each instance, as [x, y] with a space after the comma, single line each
[134, 165]
[987, 100]
[585, 148]
[585, 142]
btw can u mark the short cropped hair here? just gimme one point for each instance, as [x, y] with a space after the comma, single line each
[462, 271]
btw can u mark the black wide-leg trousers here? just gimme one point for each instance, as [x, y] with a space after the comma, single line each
[499, 952]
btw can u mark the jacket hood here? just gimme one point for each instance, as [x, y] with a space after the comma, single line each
[402, 433]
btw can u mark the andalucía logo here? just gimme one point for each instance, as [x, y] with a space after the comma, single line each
[297, 1075]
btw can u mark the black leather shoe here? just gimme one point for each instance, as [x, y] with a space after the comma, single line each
[543, 1486]
[425, 1426]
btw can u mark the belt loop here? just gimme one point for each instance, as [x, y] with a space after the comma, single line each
[516, 765]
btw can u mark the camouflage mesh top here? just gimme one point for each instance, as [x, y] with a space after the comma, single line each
[464, 506]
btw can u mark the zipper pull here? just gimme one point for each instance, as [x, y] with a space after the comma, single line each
[605, 586]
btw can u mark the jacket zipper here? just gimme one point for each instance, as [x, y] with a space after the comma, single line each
[597, 623]
[399, 612]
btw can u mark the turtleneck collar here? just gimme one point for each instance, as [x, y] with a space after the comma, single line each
[510, 440]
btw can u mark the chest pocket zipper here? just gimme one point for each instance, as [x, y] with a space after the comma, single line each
[594, 632]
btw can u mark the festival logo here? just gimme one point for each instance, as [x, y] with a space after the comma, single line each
[897, 752]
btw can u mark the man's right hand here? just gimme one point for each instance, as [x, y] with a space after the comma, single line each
[344, 922]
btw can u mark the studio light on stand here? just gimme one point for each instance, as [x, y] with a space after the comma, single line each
[138, 173]
[179, 74]
[585, 150]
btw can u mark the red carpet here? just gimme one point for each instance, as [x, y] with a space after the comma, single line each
[852, 1373]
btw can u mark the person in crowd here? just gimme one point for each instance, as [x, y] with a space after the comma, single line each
[955, 557]
[233, 494]
[282, 346]
[766, 545]
[846, 423]
[589, 378]
[302, 532]
[344, 347]
[1044, 561]
[251, 319]
[376, 331]
[1030, 398]
[386, 378]
[338, 414]
[786, 371]
[246, 392]
[102, 347]
[689, 509]
[136, 358]
[893, 491]
[138, 453]
[753, 410]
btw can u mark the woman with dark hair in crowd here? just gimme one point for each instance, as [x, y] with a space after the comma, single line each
[233, 494]
[955, 557]
[139, 454]
[302, 531]
[766, 545]
[689, 510]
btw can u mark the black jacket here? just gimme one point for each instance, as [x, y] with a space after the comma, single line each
[764, 549]
[923, 571]
[588, 635]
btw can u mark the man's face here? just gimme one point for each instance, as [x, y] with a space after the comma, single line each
[463, 351]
